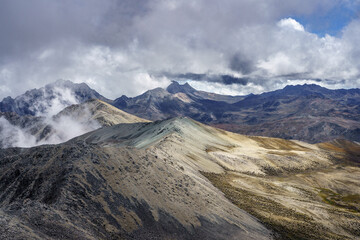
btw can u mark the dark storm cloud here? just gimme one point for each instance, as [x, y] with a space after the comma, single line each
[241, 64]
[224, 79]
[28, 25]
[191, 76]
[228, 80]
[291, 76]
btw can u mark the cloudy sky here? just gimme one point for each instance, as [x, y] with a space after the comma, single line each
[129, 46]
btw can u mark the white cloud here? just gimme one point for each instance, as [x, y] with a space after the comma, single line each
[220, 88]
[14, 136]
[290, 23]
[67, 127]
[282, 64]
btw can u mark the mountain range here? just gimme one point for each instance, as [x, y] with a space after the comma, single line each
[304, 112]
[73, 165]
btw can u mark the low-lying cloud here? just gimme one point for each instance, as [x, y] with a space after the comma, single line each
[53, 123]
[14, 136]
[66, 127]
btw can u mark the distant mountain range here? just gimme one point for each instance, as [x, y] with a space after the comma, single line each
[304, 112]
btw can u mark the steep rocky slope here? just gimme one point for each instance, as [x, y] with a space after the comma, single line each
[179, 179]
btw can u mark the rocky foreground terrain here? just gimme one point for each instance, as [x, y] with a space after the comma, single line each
[180, 179]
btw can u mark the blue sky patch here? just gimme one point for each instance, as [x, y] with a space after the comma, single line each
[331, 22]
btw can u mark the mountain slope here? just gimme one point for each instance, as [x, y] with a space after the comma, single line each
[18, 130]
[100, 111]
[78, 119]
[176, 88]
[309, 113]
[183, 180]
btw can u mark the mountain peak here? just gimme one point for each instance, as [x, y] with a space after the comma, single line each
[176, 87]
[60, 83]
[306, 87]
[53, 96]
[144, 134]
[156, 92]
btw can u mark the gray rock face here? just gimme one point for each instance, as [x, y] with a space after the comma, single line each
[177, 100]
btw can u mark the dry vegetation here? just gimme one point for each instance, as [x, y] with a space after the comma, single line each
[287, 223]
